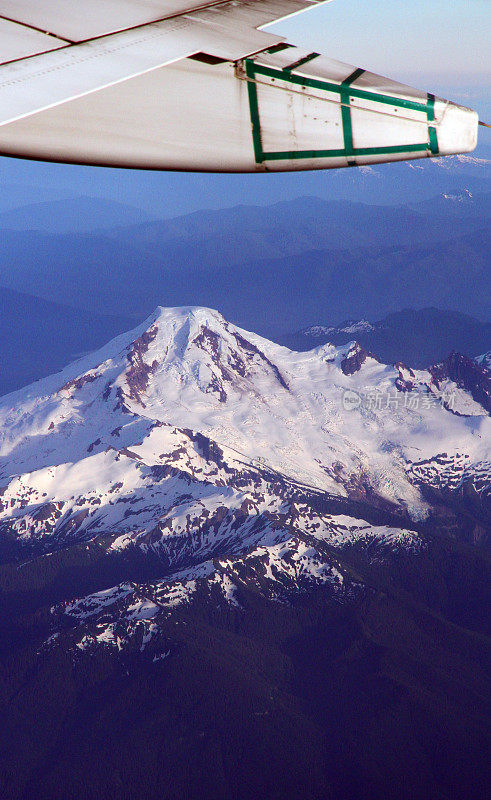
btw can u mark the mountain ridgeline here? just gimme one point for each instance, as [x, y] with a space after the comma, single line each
[307, 259]
[419, 337]
[230, 569]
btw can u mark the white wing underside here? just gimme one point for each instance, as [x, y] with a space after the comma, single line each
[96, 53]
[85, 81]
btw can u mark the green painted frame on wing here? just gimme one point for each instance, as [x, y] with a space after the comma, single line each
[346, 91]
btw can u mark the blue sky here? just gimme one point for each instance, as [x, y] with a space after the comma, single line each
[437, 45]
[400, 38]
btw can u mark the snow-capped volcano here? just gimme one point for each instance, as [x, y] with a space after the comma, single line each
[204, 535]
[191, 440]
[190, 368]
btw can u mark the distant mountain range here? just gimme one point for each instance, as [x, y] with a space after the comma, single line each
[418, 337]
[273, 269]
[174, 194]
[193, 501]
[72, 215]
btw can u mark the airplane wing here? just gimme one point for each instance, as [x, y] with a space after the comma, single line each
[190, 85]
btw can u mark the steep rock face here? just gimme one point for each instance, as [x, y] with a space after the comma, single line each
[354, 359]
[405, 381]
[139, 372]
[467, 375]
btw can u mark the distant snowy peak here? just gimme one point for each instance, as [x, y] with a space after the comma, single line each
[350, 326]
[419, 337]
[474, 160]
[355, 327]
[318, 331]
[449, 164]
[462, 197]
[452, 162]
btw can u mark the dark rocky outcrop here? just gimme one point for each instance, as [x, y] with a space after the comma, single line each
[467, 374]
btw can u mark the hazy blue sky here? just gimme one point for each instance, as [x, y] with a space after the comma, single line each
[437, 45]
[400, 38]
